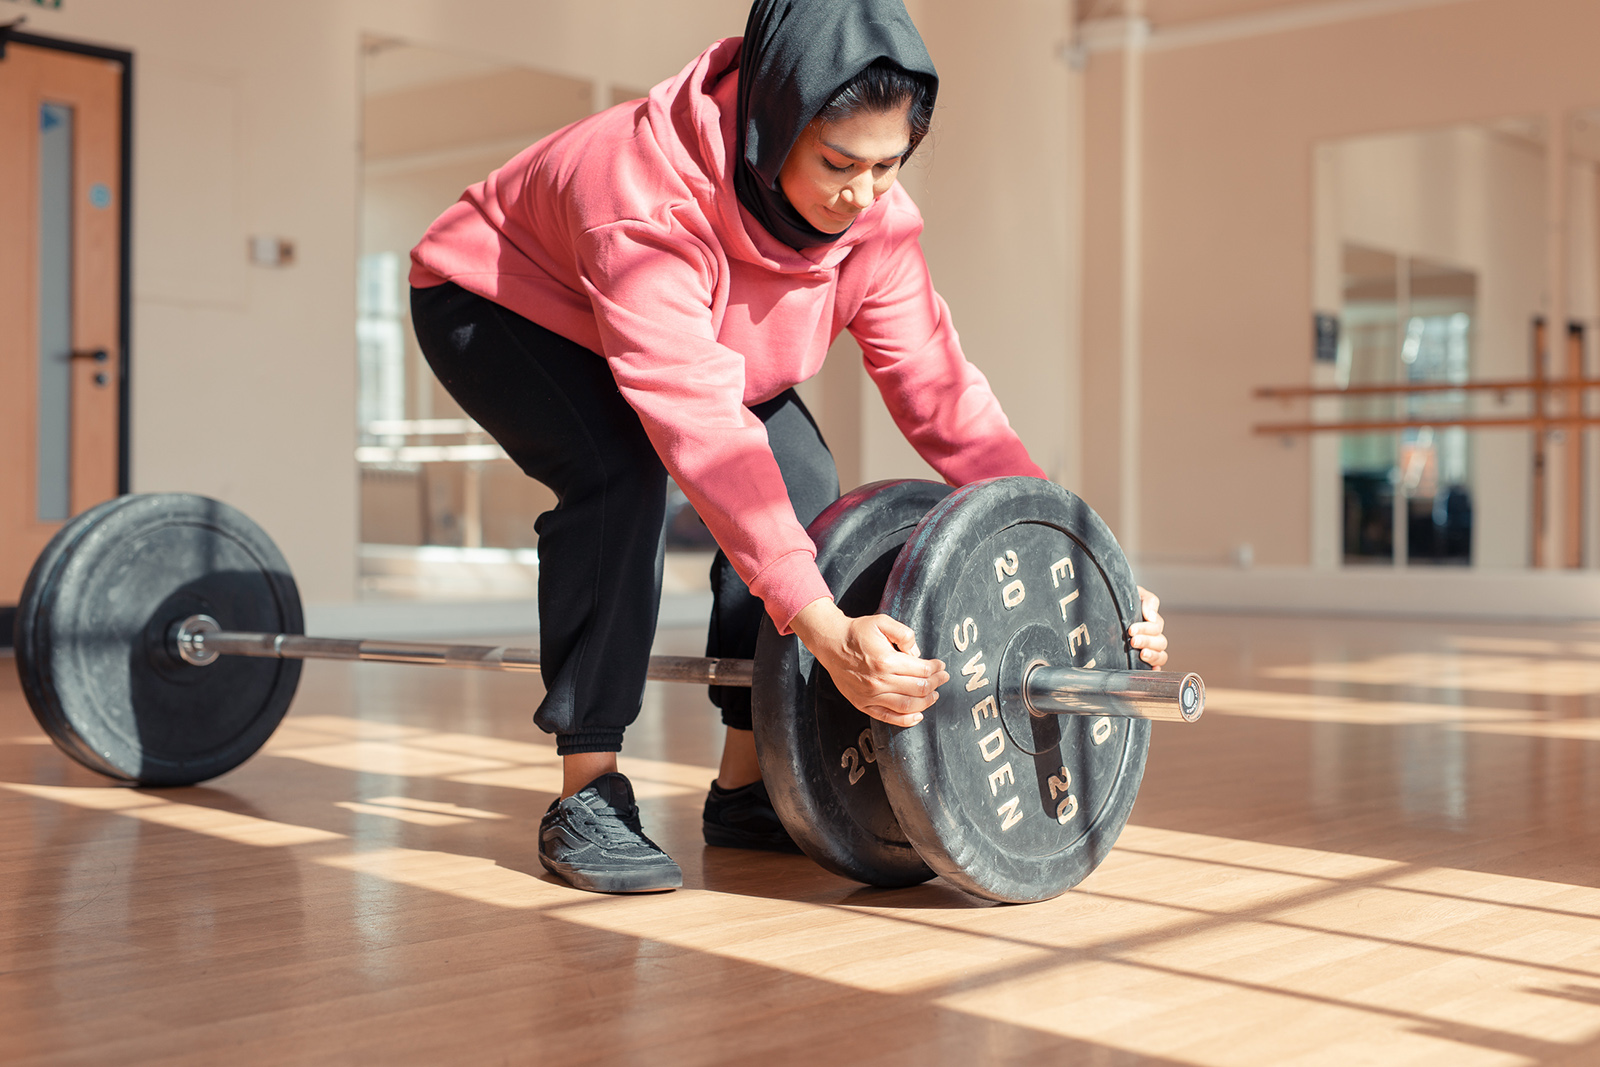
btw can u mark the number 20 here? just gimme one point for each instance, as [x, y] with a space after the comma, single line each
[856, 762]
[1059, 784]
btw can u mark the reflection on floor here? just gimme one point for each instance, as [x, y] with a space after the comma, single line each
[1380, 846]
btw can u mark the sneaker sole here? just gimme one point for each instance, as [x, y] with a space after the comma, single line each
[649, 880]
[723, 837]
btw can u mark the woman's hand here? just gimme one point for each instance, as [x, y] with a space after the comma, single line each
[1147, 636]
[873, 660]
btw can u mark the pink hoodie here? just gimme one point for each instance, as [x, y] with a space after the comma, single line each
[622, 233]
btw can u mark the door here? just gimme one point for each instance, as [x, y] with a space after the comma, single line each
[60, 295]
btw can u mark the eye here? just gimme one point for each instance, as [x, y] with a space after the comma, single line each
[847, 168]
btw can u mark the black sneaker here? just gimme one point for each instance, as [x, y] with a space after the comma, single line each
[744, 818]
[593, 840]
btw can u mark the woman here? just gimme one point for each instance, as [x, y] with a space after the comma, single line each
[637, 295]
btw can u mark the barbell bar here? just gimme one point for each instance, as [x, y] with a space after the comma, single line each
[199, 640]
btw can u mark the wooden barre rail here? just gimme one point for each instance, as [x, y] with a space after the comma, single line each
[1542, 385]
[1548, 422]
[1539, 386]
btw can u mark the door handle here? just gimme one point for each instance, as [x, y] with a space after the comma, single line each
[99, 355]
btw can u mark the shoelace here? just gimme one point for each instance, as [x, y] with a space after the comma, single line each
[596, 818]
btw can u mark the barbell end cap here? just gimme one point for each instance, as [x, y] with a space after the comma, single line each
[187, 640]
[1192, 697]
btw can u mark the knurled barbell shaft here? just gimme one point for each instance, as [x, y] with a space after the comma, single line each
[1133, 694]
[197, 643]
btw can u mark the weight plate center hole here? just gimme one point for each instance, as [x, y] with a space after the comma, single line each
[1033, 646]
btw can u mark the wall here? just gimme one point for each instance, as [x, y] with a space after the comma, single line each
[247, 123]
[997, 187]
[1231, 122]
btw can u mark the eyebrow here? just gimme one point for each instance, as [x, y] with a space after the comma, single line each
[857, 159]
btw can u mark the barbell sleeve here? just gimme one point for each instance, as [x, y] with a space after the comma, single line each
[1170, 697]
[1166, 696]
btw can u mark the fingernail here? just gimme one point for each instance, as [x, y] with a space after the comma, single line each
[916, 719]
[914, 651]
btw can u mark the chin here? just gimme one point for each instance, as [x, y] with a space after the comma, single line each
[829, 224]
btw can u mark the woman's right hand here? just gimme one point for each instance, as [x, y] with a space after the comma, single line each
[873, 660]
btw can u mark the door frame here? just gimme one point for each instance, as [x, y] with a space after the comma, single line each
[124, 226]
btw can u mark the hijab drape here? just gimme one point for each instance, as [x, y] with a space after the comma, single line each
[796, 55]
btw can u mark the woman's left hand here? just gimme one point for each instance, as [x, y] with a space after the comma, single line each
[1147, 636]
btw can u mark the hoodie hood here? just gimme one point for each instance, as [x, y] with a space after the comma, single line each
[797, 54]
[693, 119]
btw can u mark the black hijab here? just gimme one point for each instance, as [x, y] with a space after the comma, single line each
[796, 55]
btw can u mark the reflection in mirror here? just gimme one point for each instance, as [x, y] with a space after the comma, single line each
[1367, 357]
[1431, 245]
[1428, 466]
[443, 511]
[1578, 541]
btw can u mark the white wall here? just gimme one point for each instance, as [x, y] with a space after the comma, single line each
[247, 123]
[997, 185]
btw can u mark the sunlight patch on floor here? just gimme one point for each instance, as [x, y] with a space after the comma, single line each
[1145, 954]
[1483, 672]
[804, 937]
[1329, 708]
[465, 877]
[148, 807]
[468, 759]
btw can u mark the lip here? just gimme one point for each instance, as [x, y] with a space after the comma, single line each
[839, 216]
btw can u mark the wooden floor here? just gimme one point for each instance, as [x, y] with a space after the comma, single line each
[1381, 846]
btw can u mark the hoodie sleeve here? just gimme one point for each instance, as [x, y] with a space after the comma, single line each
[942, 404]
[651, 289]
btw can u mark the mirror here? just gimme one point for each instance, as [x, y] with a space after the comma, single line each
[1432, 254]
[443, 511]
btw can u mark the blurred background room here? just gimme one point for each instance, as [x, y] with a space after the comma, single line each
[1143, 215]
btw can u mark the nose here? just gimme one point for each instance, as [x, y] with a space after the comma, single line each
[858, 191]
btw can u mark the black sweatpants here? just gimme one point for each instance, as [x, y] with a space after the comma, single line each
[556, 410]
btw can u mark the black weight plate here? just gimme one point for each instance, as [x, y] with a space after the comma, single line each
[815, 748]
[92, 638]
[1007, 806]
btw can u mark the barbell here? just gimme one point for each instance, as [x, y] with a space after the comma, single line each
[159, 640]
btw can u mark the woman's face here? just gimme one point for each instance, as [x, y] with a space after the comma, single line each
[836, 170]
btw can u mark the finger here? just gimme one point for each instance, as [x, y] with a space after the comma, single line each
[899, 634]
[905, 665]
[1153, 625]
[912, 685]
[892, 718]
[1156, 658]
[899, 703]
[872, 686]
[1151, 602]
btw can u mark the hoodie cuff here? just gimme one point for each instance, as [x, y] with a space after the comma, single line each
[788, 585]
